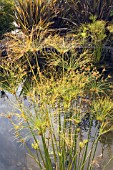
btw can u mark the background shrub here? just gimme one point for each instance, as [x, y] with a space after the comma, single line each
[6, 19]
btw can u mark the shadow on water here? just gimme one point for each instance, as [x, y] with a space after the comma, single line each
[13, 156]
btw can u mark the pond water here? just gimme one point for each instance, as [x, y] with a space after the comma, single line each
[13, 156]
[104, 153]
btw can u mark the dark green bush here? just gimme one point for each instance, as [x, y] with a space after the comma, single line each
[6, 19]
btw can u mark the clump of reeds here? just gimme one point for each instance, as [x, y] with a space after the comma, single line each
[57, 108]
[60, 96]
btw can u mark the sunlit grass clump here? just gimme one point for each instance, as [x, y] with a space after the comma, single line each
[62, 86]
[58, 104]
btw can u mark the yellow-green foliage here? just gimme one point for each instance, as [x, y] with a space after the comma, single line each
[57, 106]
[93, 35]
[59, 95]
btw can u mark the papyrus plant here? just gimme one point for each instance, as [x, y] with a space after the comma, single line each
[52, 119]
[57, 103]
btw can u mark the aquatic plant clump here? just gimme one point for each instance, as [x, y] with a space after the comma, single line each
[63, 87]
[57, 106]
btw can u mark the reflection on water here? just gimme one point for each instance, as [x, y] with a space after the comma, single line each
[104, 153]
[13, 156]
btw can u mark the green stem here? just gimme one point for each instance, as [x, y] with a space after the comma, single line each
[47, 156]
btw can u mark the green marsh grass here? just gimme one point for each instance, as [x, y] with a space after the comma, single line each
[58, 102]
[53, 119]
